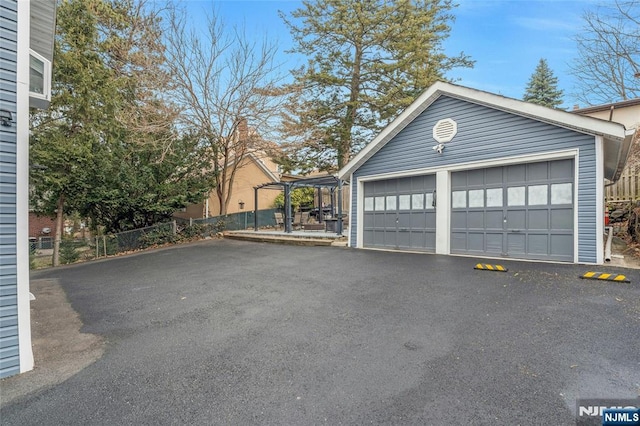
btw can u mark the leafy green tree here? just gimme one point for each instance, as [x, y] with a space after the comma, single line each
[542, 88]
[107, 147]
[367, 61]
[300, 197]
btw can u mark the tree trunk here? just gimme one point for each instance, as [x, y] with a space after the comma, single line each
[344, 151]
[59, 223]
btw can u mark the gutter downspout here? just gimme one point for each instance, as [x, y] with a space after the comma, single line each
[607, 246]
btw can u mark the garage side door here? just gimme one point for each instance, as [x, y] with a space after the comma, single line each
[400, 213]
[521, 211]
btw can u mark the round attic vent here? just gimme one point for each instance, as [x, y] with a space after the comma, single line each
[445, 130]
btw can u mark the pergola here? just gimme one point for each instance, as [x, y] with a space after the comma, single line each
[326, 181]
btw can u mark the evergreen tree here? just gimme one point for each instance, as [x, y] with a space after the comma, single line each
[367, 61]
[542, 88]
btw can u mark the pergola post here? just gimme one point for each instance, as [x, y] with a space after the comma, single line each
[255, 211]
[287, 208]
[339, 228]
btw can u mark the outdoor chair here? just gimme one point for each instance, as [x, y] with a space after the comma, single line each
[279, 219]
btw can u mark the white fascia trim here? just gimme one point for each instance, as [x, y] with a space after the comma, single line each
[599, 200]
[22, 187]
[583, 124]
[351, 213]
[576, 208]
[443, 212]
[545, 156]
[360, 221]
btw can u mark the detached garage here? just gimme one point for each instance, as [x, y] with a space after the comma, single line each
[467, 172]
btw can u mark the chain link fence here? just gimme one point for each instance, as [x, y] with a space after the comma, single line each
[180, 230]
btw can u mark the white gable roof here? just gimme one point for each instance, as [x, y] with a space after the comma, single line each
[617, 140]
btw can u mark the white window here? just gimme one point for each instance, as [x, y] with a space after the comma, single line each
[404, 202]
[368, 204]
[537, 195]
[459, 199]
[428, 201]
[391, 202]
[379, 203]
[39, 76]
[476, 198]
[561, 193]
[515, 196]
[417, 201]
[494, 197]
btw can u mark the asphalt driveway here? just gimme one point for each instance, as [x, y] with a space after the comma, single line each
[231, 332]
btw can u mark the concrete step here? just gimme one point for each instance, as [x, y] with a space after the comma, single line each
[298, 241]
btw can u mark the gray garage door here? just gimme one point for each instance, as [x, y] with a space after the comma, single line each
[522, 211]
[400, 213]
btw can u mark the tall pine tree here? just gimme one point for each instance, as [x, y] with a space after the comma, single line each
[367, 61]
[542, 88]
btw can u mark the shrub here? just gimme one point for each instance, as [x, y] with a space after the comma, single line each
[68, 252]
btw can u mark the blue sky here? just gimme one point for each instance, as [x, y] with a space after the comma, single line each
[506, 38]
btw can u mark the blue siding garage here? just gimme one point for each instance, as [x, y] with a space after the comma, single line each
[472, 173]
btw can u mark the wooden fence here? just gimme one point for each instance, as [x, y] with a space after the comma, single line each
[627, 188]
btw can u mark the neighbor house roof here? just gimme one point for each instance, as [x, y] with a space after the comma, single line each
[606, 107]
[617, 139]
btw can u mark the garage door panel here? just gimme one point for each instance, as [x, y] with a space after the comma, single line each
[562, 169]
[367, 237]
[520, 210]
[458, 220]
[430, 239]
[516, 219]
[561, 244]
[516, 244]
[395, 213]
[417, 240]
[378, 238]
[418, 220]
[459, 241]
[494, 219]
[537, 171]
[475, 177]
[431, 220]
[475, 242]
[538, 219]
[494, 243]
[562, 219]
[475, 220]
[404, 239]
[390, 221]
[368, 221]
[493, 176]
[538, 244]
[516, 173]
[404, 220]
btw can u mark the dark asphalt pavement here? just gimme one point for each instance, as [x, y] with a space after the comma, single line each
[239, 333]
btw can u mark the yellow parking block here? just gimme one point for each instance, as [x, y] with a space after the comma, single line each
[603, 276]
[486, 267]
